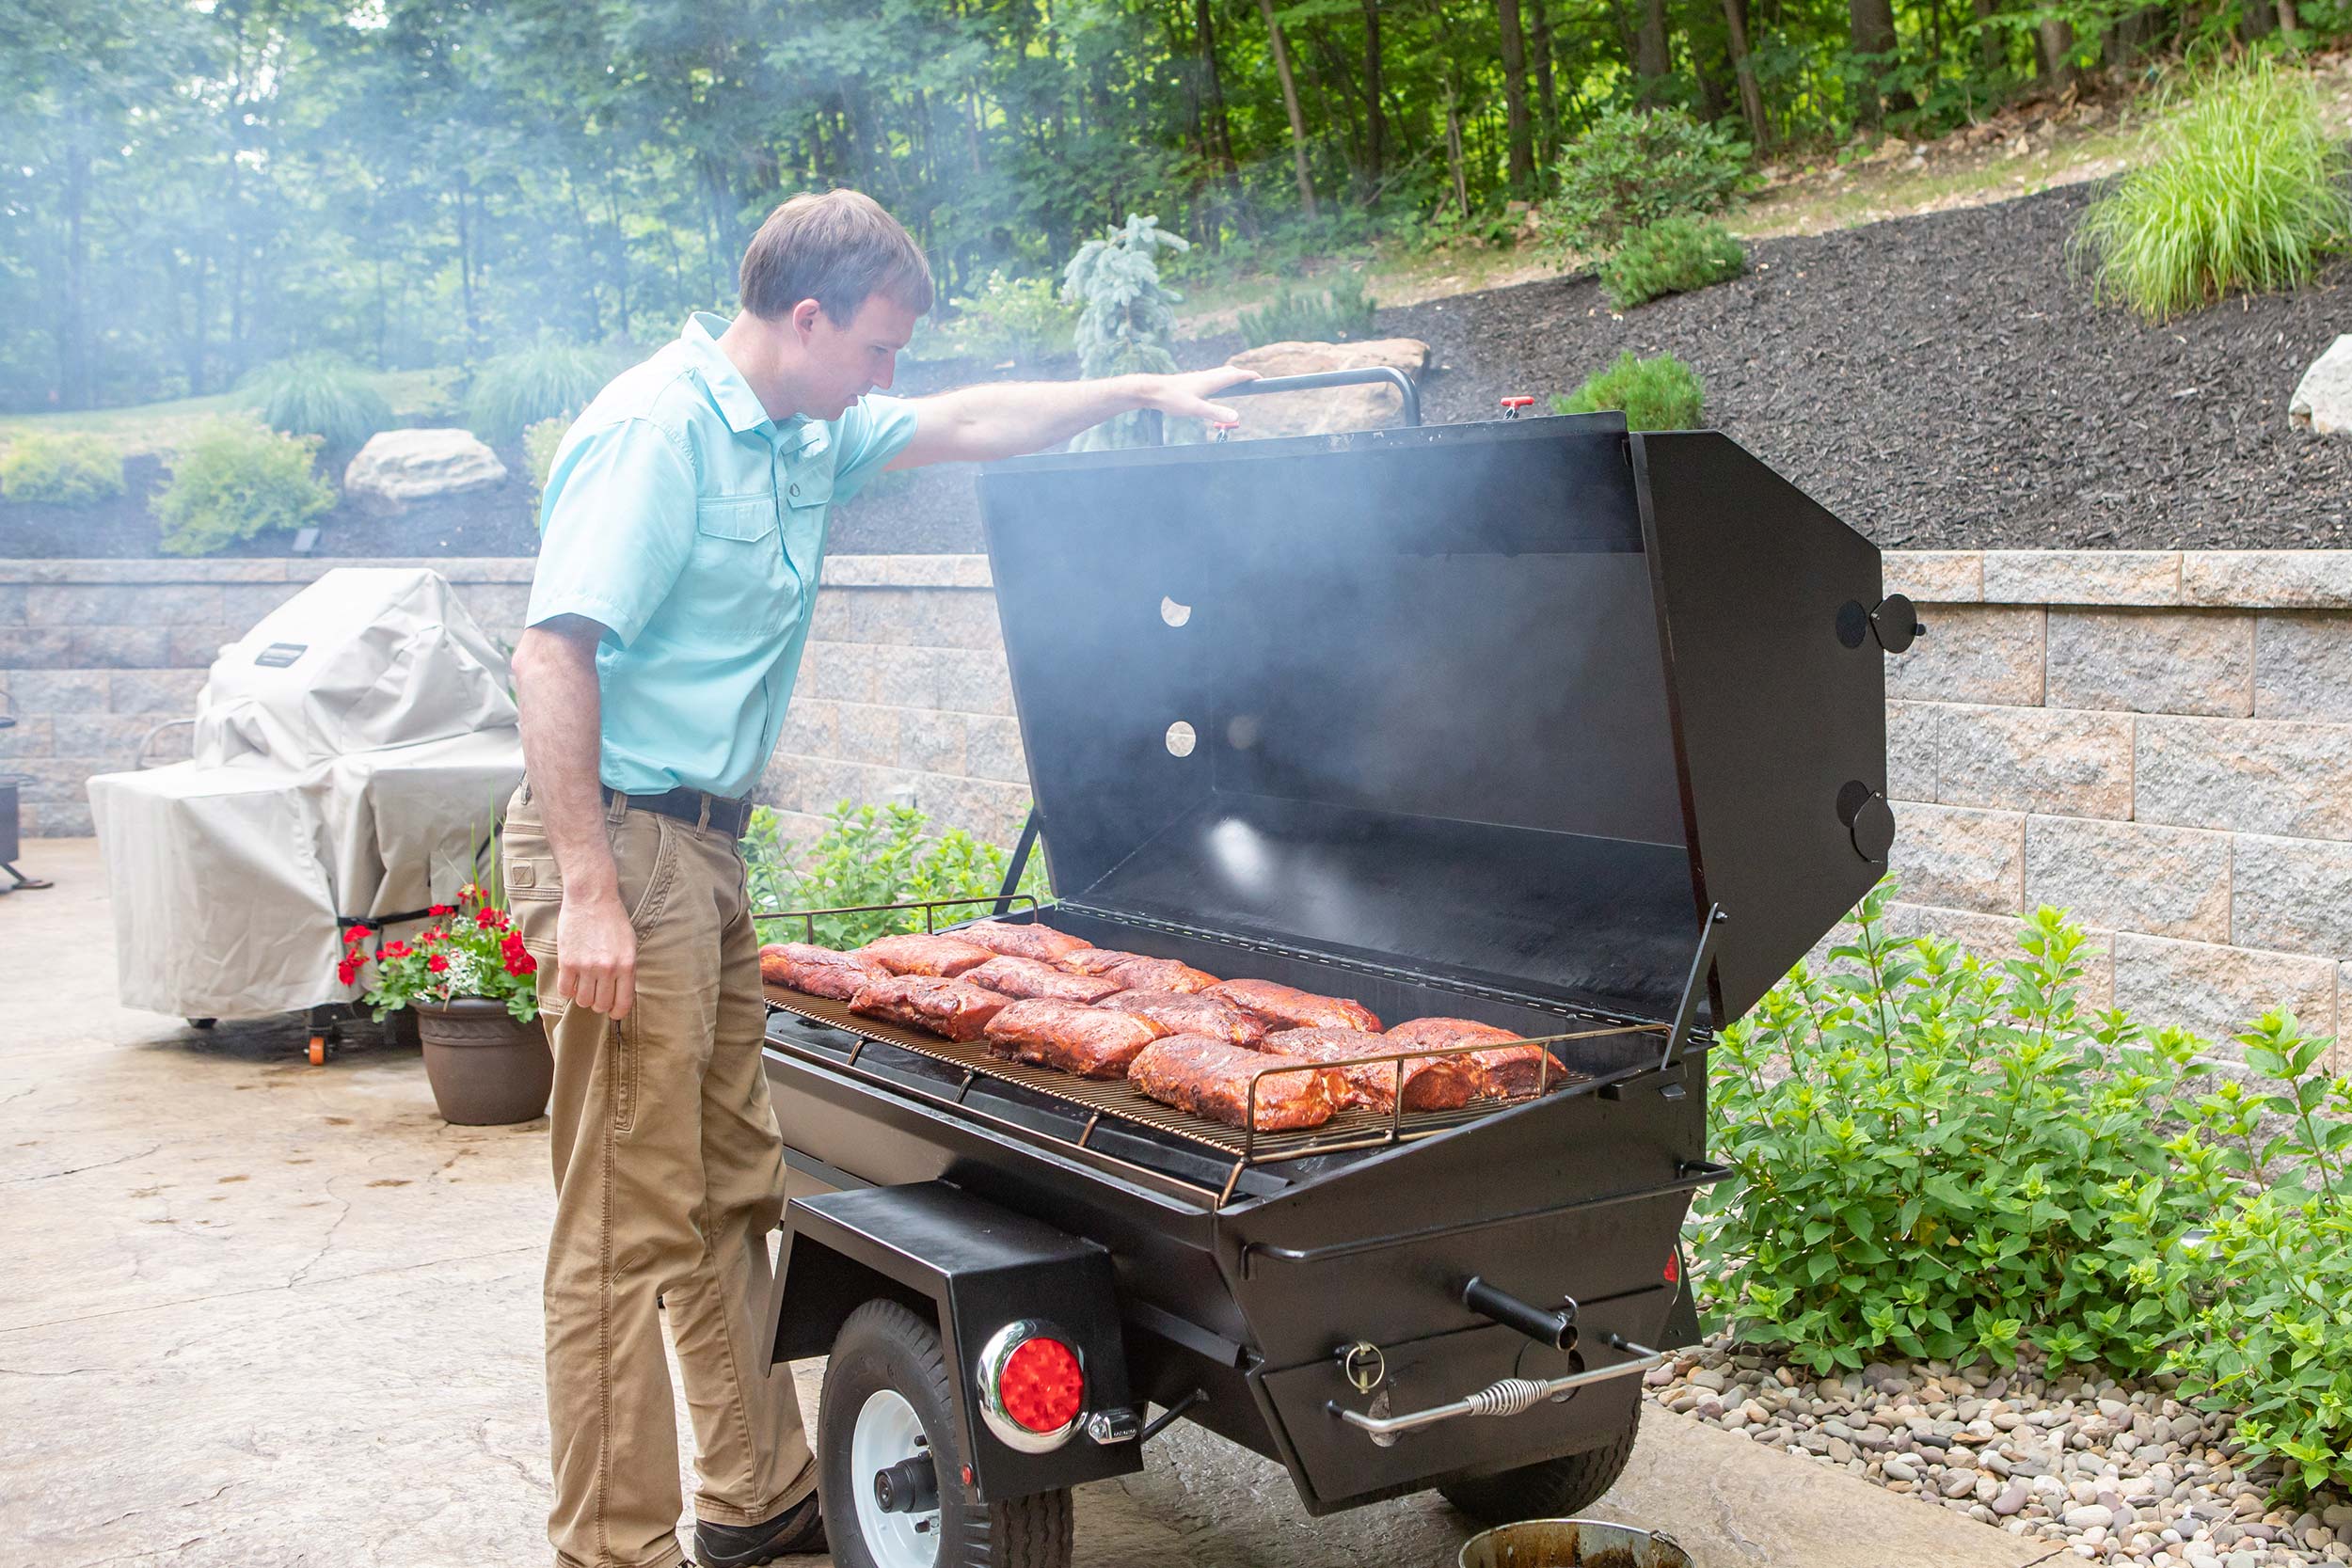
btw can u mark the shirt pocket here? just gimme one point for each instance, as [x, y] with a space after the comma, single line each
[741, 585]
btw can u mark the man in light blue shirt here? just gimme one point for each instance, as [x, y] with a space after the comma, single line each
[684, 524]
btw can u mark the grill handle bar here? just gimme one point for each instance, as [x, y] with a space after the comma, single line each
[1408, 410]
[1504, 1396]
[1695, 988]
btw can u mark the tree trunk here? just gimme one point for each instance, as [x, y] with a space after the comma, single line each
[2256, 20]
[1220, 130]
[1376, 127]
[2288, 23]
[1454, 150]
[1873, 34]
[1991, 47]
[1751, 97]
[2057, 41]
[1652, 63]
[1290, 105]
[1518, 134]
[74, 382]
[1547, 90]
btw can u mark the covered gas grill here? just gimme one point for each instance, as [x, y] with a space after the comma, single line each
[1534, 723]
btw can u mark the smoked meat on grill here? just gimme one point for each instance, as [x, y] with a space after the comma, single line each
[1288, 1007]
[1505, 1071]
[1431, 1082]
[1084, 1040]
[1093, 960]
[1211, 1079]
[1042, 942]
[1027, 977]
[1185, 1013]
[921, 954]
[816, 971]
[1160, 975]
[939, 1006]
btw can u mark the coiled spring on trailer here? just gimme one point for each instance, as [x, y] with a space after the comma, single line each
[1505, 1396]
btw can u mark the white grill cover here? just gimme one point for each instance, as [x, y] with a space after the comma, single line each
[352, 754]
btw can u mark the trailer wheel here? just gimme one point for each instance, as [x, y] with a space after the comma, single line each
[887, 1405]
[1551, 1489]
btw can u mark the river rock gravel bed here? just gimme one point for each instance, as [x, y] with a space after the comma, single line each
[2121, 1472]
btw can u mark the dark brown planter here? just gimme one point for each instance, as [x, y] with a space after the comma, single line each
[485, 1068]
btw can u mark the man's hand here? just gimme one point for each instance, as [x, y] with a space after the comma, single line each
[596, 954]
[1185, 395]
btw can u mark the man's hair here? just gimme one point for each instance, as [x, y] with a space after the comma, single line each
[839, 249]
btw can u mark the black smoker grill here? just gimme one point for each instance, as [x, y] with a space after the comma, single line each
[1535, 722]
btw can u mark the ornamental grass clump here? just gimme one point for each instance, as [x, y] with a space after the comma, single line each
[2246, 191]
[1658, 393]
[549, 379]
[322, 395]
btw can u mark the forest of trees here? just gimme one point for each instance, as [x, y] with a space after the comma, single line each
[190, 188]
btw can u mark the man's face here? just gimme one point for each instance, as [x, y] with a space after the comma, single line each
[848, 361]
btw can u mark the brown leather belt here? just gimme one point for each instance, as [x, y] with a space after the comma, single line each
[692, 807]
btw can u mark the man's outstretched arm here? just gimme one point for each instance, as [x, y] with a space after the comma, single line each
[975, 424]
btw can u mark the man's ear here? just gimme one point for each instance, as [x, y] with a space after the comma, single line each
[804, 319]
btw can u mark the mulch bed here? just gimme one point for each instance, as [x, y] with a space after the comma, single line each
[1940, 382]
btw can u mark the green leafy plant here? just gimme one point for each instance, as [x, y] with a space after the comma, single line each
[1660, 393]
[1342, 311]
[2262, 1286]
[1125, 320]
[471, 949]
[1012, 318]
[235, 481]
[552, 378]
[539, 443]
[872, 855]
[1670, 257]
[2246, 191]
[1636, 166]
[60, 470]
[322, 395]
[1941, 1158]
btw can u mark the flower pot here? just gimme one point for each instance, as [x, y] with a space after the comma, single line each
[485, 1068]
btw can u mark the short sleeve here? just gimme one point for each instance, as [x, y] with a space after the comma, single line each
[870, 433]
[617, 526]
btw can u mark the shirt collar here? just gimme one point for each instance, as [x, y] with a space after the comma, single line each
[734, 395]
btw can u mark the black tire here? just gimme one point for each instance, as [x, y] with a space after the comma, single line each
[203, 1022]
[1551, 1489]
[883, 1345]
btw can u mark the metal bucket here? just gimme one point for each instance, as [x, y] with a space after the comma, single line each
[1571, 1544]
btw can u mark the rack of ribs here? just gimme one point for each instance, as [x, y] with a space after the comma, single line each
[1505, 1069]
[1042, 942]
[1187, 1013]
[920, 954]
[938, 1006]
[1027, 977]
[1160, 975]
[1093, 960]
[816, 971]
[1084, 1040]
[1212, 1079]
[1431, 1082]
[1288, 1007]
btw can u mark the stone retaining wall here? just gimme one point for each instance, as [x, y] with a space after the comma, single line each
[2159, 741]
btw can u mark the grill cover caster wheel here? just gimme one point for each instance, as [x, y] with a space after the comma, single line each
[887, 1401]
[203, 1022]
[1551, 1489]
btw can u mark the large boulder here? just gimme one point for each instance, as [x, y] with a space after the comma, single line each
[398, 466]
[1335, 409]
[2323, 399]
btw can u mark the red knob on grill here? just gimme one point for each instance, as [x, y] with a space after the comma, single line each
[1511, 406]
[1223, 428]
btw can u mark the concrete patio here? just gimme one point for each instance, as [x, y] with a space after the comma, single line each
[262, 1313]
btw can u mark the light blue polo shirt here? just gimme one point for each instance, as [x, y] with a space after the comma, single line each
[683, 519]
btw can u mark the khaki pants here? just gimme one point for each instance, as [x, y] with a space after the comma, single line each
[668, 1179]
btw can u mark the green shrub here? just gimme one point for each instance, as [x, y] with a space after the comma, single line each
[60, 470]
[1012, 318]
[320, 395]
[551, 378]
[1636, 166]
[872, 855]
[1343, 310]
[1671, 255]
[1663, 393]
[2246, 192]
[1125, 320]
[236, 480]
[1938, 1158]
[539, 443]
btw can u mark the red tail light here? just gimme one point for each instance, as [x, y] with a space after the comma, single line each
[1674, 1268]
[1032, 1387]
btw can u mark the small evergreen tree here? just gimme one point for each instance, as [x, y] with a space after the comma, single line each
[1124, 320]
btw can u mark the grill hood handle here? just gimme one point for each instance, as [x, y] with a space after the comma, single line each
[1408, 412]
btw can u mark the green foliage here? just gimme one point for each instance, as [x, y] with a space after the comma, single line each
[539, 443]
[2262, 1286]
[550, 378]
[60, 470]
[870, 855]
[235, 481]
[1671, 255]
[322, 395]
[1635, 167]
[1125, 318]
[2246, 192]
[1940, 1158]
[1660, 393]
[471, 949]
[1012, 318]
[1343, 310]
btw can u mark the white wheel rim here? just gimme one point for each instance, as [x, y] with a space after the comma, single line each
[886, 1433]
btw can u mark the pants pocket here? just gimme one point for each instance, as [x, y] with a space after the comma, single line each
[622, 1040]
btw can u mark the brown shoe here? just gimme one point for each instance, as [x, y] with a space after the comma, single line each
[795, 1532]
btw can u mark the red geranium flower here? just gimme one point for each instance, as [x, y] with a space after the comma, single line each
[347, 971]
[438, 910]
[436, 963]
[393, 950]
[485, 919]
[521, 963]
[355, 935]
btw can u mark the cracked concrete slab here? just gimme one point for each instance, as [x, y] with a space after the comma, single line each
[257, 1313]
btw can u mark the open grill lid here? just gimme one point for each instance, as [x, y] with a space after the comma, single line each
[1509, 705]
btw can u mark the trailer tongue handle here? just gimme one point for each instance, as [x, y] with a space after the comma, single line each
[1508, 1396]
